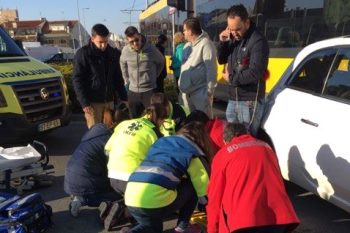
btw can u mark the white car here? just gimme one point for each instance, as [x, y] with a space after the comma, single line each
[308, 120]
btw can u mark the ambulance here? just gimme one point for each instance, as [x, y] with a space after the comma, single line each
[33, 96]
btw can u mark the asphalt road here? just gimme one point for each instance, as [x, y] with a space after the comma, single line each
[316, 215]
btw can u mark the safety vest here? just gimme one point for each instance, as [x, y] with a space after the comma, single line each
[128, 147]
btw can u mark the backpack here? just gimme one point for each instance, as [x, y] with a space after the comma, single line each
[27, 214]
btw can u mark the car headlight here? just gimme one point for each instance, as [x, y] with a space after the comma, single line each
[3, 102]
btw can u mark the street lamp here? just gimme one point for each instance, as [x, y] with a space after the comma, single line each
[85, 8]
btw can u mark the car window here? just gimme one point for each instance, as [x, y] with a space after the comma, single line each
[312, 73]
[338, 83]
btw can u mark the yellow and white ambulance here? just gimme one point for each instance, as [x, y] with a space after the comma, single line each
[33, 96]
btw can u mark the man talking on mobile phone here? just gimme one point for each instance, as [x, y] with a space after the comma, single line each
[246, 52]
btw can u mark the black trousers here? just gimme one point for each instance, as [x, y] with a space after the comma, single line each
[138, 102]
[160, 85]
[151, 220]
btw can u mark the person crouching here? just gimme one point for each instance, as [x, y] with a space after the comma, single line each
[86, 178]
[246, 193]
[173, 176]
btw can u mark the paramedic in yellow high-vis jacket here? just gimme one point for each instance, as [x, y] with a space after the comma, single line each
[130, 142]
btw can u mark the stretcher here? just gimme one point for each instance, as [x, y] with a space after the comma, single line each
[21, 167]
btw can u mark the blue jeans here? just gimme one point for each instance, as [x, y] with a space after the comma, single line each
[151, 220]
[243, 112]
[94, 200]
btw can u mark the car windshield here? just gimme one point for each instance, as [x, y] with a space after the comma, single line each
[8, 47]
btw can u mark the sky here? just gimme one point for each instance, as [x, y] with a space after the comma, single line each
[108, 12]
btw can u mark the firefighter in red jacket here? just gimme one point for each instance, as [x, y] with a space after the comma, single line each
[246, 193]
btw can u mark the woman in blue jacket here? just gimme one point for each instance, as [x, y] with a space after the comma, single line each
[175, 174]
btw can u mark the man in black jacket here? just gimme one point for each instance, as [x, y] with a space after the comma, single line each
[97, 76]
[246, 51]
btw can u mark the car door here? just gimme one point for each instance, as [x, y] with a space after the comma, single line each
[333, 157]
[304, 125]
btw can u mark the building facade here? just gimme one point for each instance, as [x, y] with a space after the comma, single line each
[68, 34]
[26, 31]
[7, 15]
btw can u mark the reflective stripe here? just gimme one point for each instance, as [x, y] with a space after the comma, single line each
[247, 144]
[193, 144]
[119, 175]
[159, 171]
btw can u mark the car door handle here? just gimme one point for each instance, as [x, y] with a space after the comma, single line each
[308, 122]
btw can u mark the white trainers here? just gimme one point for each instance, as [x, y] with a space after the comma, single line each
[74, 206]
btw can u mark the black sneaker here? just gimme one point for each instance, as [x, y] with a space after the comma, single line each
[113, 216]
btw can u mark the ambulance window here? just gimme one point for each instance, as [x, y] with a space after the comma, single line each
[311, 74]
[338, 83]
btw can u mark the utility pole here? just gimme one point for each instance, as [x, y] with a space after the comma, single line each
[79, 28]
[173, 30]
[85, 8]
[73, 42]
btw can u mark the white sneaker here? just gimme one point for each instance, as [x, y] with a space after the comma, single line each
[74, 206]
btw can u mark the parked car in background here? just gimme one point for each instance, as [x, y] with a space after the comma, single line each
[308, 120]
[40, 52]
[60, 57]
